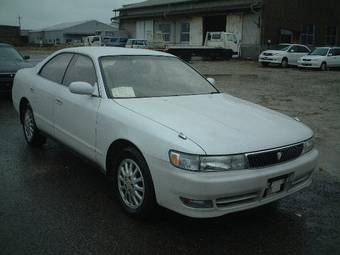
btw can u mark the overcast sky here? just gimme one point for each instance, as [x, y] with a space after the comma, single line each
[42, 13]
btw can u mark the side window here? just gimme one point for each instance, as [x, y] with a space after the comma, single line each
[80, 69]
[54, 70]
[294, 49]
[337, 52]
[303, 49]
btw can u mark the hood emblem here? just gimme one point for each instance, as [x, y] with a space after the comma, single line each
[182, 136]
[279, 155]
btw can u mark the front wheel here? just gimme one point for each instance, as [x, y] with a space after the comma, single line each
[134, 184]
[284, 63]
[31, 132]
[323, 66]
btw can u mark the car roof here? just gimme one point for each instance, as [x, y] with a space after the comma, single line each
[97, 52]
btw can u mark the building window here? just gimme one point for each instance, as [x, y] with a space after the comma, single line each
[165, 30]
[185, 32]
[308, 34]
[330, 36]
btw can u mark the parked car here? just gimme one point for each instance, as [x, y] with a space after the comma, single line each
[322, 58]
[284, 55]
[117, 42]
[163, 134]
[136, 43]
[10, 62]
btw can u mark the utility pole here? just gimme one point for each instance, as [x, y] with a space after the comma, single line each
[19, 20]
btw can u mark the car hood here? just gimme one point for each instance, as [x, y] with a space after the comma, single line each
[13, 66]
[221, 124]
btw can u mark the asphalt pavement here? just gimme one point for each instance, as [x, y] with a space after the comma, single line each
[53, 202]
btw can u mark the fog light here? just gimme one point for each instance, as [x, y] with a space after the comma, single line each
[197, 203]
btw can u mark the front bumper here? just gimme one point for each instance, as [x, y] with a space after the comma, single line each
[270, 59]
[6, 82]
[229, 191]
[308, 64]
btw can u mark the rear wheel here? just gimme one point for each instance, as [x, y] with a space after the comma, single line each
[133, 184]
[323, 66]
[284, 63]
[32, 134]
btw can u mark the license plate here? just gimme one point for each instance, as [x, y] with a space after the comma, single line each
[276, 185]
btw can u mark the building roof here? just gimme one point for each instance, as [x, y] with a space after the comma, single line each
[160, 8]
[149, 3]
[62, 26]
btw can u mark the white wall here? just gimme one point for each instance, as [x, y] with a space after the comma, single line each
[235, 24]
[196, 31]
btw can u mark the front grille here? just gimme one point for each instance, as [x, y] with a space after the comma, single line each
[272, 157]
[306, 59]
[6, 76]
[267, 54]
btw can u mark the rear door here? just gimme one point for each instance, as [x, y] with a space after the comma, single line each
[75, 115]
[43, 93]
[331, 58]
[337, 57]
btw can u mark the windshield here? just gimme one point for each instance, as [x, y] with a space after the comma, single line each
[151, 76]
[282, 47]
[320, 52]
[9, 53]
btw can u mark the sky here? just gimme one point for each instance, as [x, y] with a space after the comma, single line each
[43, 13]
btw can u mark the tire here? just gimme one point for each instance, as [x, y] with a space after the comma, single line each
[133, 184]
[323, 66]
[284, 63]
[264, 64]
[31, 132]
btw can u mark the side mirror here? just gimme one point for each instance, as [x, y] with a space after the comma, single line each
[291, 51]
[330, 54]
[81, 88]
[212, 81]
[27, 57]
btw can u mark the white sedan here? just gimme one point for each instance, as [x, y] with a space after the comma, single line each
[321, 58]
[162, 132]
[284, 55]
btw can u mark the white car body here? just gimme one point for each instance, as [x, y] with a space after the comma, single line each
[292, 54]
[212, 124]
[331, 59]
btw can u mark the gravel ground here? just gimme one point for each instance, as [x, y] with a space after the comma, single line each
[52, 202]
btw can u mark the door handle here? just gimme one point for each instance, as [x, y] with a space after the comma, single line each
[59, 102]
[32, 90]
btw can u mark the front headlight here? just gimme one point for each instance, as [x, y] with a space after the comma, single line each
[308, 145]
[208, 163]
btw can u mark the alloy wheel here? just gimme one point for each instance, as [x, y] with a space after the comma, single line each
[29, 124]
[131, 185]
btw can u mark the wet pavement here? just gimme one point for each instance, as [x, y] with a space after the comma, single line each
[53, 202]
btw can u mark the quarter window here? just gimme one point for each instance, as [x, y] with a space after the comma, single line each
[54, 70]
[80, 69]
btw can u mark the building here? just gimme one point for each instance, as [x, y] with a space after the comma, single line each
[10, 34]
[70, 33]
[255, 22]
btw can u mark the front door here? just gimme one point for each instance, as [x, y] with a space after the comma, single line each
[76, 115]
